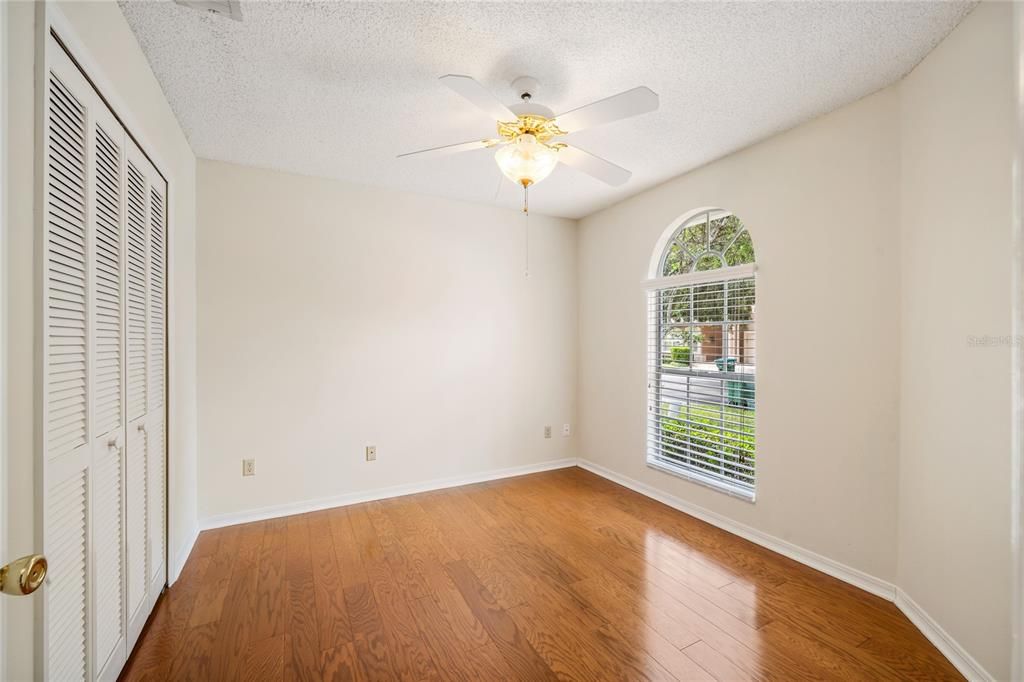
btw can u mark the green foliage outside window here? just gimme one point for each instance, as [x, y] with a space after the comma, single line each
[681, 355]
[704, 435]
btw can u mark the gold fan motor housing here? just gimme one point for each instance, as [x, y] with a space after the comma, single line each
[541, 127]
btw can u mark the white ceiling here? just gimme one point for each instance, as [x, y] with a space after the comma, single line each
[337, 89]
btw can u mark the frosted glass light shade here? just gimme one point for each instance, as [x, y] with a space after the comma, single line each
[526, 161]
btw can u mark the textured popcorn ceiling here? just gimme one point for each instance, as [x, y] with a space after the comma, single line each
[338, 89]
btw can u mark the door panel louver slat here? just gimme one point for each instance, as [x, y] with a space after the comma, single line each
[155, 508]
[137, 365]
[66, 532]
[107, 510]
[66, 429]
[108, 288]
[137, 521]
[156, 300]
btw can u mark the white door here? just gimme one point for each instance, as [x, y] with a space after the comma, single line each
[146, 339]
[102, 381]
[156, 431]
[67, 351]
[138, 378]
[106, 325]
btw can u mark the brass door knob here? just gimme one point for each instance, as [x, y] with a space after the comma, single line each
[24, 575]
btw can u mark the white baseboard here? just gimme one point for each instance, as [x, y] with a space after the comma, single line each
[276, 511]
[848, 574]
[928, 626]
[950, 648]
[179, 560]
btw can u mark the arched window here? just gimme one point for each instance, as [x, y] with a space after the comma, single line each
[701, 353]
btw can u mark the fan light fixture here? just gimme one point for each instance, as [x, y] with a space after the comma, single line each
[529, 134]
[526, 161]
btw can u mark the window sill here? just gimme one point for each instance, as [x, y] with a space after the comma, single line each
[706, 481]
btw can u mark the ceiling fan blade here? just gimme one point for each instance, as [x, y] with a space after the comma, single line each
[623, 105]
[483, 98]
[595, 166]
[454, 148]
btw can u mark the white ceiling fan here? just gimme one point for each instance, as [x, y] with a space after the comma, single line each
[529, 133]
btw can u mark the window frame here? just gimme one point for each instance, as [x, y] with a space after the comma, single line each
[653, 327]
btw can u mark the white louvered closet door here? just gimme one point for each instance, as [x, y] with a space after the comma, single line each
[102, 382]
[137, 243]
[68, 352]
[108, 627]
[146, 340]
[156, 431]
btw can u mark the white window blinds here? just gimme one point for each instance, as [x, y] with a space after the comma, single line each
[701, 378]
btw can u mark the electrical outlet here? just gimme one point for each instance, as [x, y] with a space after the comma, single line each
[371, 453]
[248, 467]
[566, 431]
[547, 432]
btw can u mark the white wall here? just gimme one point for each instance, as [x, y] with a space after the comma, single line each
[821, 204]
[333, 316]
[957, 142]
[116, 60]
[883, 240]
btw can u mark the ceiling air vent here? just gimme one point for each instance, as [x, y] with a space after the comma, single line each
[224, 8]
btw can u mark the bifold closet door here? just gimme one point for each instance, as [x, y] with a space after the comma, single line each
[146, 385]
[156, 428]
[107, 575]
[102, 383]
[82, 384]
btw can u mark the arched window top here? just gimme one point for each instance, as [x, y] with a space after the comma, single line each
[707, 241]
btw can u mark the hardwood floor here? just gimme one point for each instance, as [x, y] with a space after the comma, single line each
[554, 575]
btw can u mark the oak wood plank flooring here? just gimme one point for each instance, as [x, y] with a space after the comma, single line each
[302, 648]
[341, 663]
[264, 660]
[350, 562]
[412, 660]
[559, 575]
[271, 592]
[372, 644]
[331, 615]
[520, 656]
[210, 600]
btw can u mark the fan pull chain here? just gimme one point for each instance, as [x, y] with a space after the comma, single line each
[526, 210]
[527, 255]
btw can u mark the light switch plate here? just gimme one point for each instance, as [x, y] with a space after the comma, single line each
[371, 453]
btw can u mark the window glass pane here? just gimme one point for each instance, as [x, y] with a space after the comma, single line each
[675, 306]
[709, 302]
[673, 261]
[694, 239]
[702, 385]
[741, 301]
[741, 251]
[709, 261]
[723, 232]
